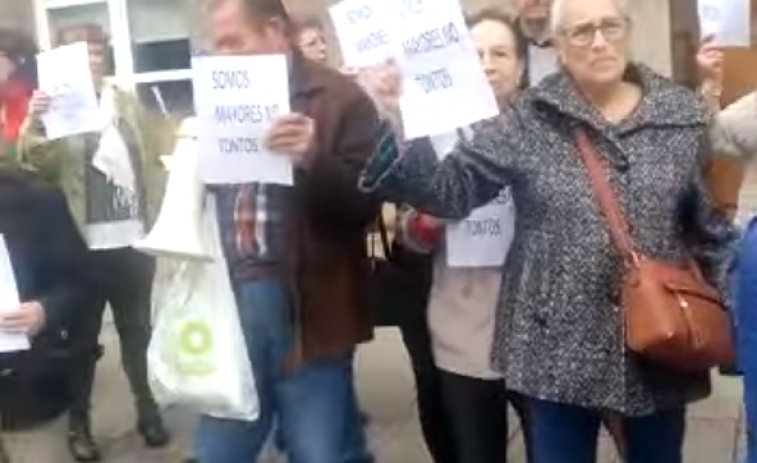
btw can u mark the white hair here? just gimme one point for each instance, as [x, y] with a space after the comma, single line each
[557, 14]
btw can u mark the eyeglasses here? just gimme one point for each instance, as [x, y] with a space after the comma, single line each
[583, 35]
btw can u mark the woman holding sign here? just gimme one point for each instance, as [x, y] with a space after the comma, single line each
[112, 179]
[560, 337]
[463, 298]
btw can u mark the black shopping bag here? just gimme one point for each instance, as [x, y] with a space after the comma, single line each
[400, 278]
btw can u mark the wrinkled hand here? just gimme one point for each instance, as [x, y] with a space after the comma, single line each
[383, 83]
[39, 103]
[28, 319]
[293, 135]
[710, 63]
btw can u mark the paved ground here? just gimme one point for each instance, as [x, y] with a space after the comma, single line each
[386, 388]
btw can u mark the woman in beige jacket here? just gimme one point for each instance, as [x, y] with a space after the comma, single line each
[734, 131]
[462, 302]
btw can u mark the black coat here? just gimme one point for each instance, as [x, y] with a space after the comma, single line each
[47, 252]
[49, 260]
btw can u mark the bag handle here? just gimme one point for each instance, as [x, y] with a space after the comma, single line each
[605, 197]
[383, 237]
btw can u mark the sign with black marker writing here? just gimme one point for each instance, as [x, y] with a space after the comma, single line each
[64, 74]
[441, 70]
[363, 27]
[444, 85]
[483, 239]
[236, 100]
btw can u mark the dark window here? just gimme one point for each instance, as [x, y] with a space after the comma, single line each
[162, 56]
[177, 97]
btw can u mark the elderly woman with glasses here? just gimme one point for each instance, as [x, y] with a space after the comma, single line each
[559, 339]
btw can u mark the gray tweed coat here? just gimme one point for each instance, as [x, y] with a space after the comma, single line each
[559, 332]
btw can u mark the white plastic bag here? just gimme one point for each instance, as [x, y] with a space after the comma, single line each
[198, 356]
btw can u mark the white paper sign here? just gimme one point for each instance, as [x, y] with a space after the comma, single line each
[484, 237]
[9, 300]
[444, 84]
[364, 30]
[64, 74]
[728, 20]
[431, 43]
[236, 100]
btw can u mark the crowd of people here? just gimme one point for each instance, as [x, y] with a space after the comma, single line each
[542, 331]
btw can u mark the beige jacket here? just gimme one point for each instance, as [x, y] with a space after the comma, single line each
[462, 304]
[734, 131]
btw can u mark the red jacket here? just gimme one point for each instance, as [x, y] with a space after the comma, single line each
[14, 101]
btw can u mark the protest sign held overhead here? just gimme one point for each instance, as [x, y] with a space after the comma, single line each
[441, 70]
[65, 76]
[363, 29]
[237, 98]
[728, 21]
[436, 54]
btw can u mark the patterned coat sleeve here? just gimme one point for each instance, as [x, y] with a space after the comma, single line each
[469, 177]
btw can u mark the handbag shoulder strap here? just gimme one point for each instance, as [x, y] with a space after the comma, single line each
[605, 196]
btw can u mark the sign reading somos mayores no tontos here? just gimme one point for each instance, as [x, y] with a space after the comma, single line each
[236, 100]
[444, 85]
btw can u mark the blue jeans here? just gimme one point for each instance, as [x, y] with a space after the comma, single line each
[744, 307]
[568, 434]
[355, 448]
[310, 405]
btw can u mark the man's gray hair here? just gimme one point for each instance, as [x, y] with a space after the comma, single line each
[557, 15]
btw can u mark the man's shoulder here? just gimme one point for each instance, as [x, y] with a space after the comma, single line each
[337, 86]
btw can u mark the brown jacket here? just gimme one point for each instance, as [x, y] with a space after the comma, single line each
[329, 225]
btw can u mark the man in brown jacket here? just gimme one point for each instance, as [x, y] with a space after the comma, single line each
[297, 255]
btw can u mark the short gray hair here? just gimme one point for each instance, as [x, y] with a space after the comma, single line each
[557, 14]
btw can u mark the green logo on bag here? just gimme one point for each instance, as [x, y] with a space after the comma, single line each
[195, 338]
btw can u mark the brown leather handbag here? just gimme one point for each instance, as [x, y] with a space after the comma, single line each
[672, 315]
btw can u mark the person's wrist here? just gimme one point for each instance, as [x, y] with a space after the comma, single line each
[712, 91]
[426, 229]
